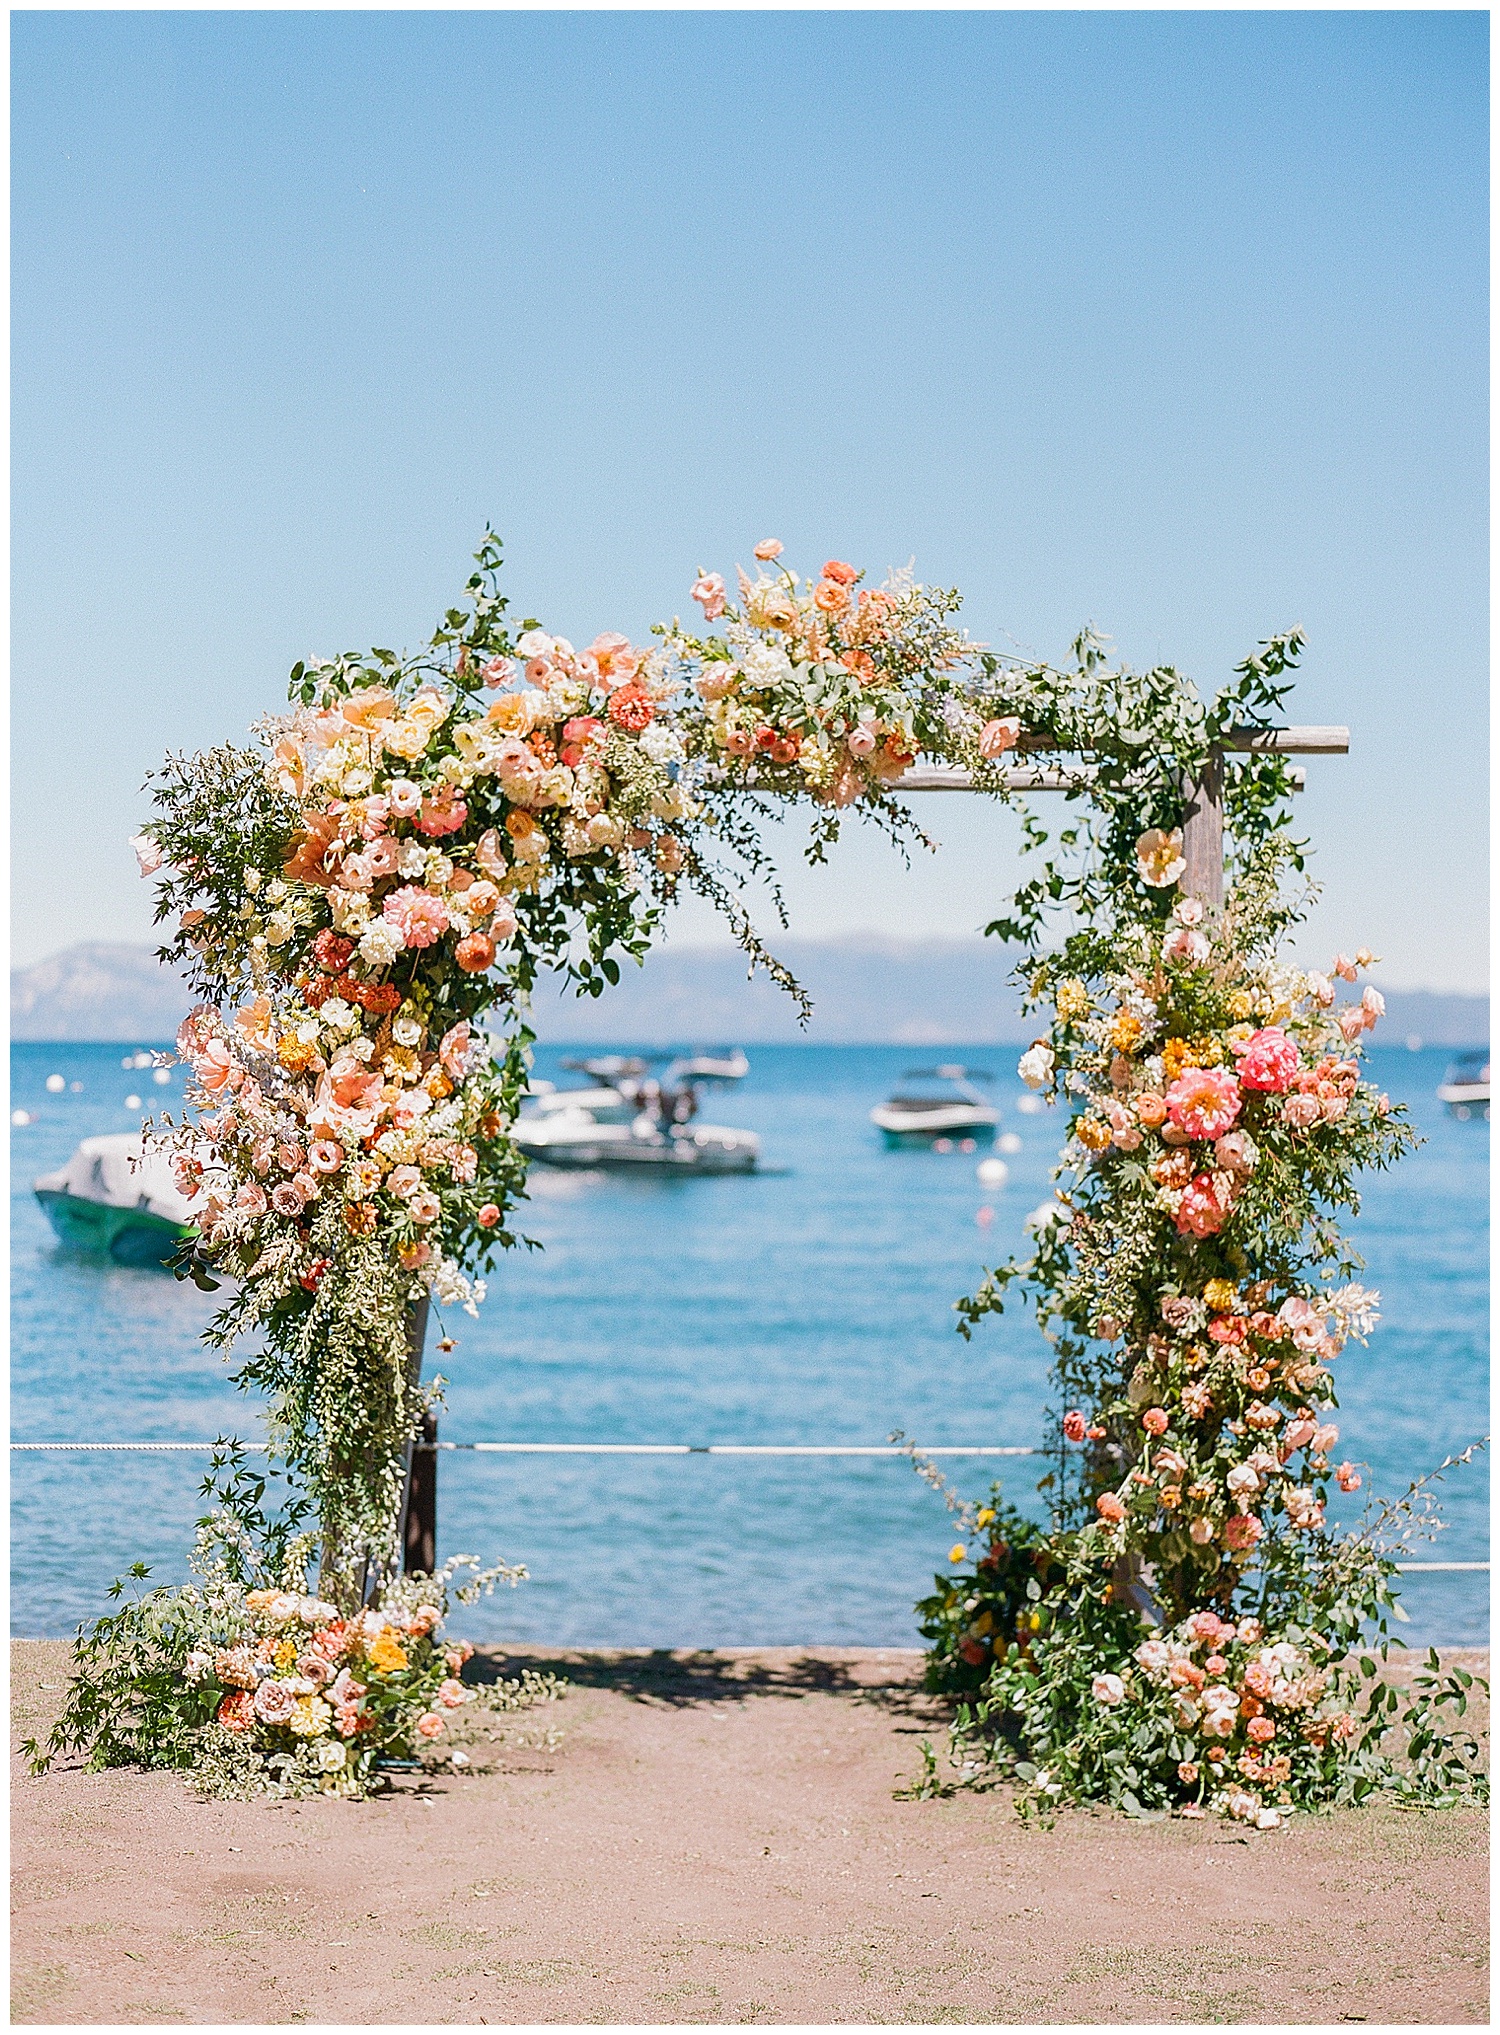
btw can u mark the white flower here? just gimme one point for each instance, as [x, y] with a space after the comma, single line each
[337, 1015]
[1036, 1064]
[1153, 1655]
[1107, 1689]
[1188, 911]
[535, 643]
[331, 1755]
[147, 853]
[413, 859]
[380, 943]
[278, 930]
[1044, 1217]
[1268, 1819]
[275, 890]
[660, 744]
[1321, 990]
[406, 1031]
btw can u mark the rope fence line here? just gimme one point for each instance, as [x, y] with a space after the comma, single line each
[642, 1448]
[567, 1448]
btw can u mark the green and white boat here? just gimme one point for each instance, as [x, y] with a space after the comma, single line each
[118, 1200]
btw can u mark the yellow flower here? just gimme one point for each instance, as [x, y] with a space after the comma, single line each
[1220, 1295]
[1072, 999]
[310, 1718]
[985, 1515]
[1126, 1031]
[294, 1053]
[1241, 1004]
[1094, 1133]
[387, 1653]
[957, 1552]
[1239, 1035]
[983, 1625]
[285, 1657]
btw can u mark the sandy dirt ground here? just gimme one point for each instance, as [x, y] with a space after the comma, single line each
[715, 1838]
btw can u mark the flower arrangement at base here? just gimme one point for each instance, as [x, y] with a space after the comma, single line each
[258, 1688]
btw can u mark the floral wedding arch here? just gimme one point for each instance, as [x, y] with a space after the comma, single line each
[365, 899]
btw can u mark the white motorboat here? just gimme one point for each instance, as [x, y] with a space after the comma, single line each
[116, 1197]
[945, 1106]
[1465, 1088]
[630, 1120]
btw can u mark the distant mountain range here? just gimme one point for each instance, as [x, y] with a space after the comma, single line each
[866, 991]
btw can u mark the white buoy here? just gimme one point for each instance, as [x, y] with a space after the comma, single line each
[992, 1172]
[76, 1087]
[1008, 1142]
[55, 1084]
[132, 1102]
[1030, 1105]
[20, 1116]
[128, 1061]
[162, 1076]
[141, 1060]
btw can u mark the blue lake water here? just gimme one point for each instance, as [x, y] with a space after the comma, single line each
[810, 1304]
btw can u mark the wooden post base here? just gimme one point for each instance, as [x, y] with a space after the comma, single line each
[419, 1536]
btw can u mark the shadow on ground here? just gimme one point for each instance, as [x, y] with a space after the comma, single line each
[679, 1678]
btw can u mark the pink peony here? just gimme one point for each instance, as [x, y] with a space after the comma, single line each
[251, 1199]
[452, 1695]
[1348, 1477]
[443, 812]
[1204, 1101]
[430, 1725]
[1351, 1023]
[213, 1065]
[1201, 1211]
[1186, 944]
[1301, 1112]
[1075, 1427]
[458, 1049]
[709, 593]
[419, 917]
[1269, 1060]
[1209, 1625]
[1155, 1420]
[1108, 1689]
[424, 1207]
[287, 1201]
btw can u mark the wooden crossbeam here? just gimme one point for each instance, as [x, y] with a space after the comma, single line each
[943, 777]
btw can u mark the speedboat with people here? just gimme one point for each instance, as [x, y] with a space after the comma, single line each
[118, 1197]
[632, 1120]
[1465, 1088]
[940, 1107]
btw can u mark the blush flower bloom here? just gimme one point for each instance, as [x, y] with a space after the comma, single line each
[1201, 1210]
[420, 918]
[1159, 859]
[1107, 1689]
[709, 593]
[1269, 1061]
[1204, 1101]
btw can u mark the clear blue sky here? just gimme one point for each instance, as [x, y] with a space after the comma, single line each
[1171, 322]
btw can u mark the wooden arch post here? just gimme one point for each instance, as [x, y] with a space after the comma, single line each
[1203, 851]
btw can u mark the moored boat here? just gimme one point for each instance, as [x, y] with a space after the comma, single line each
[630, 1121]
[1465, 1088]
[946, 1106]
[118, 1199]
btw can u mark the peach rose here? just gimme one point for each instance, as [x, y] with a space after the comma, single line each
[995, 737]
